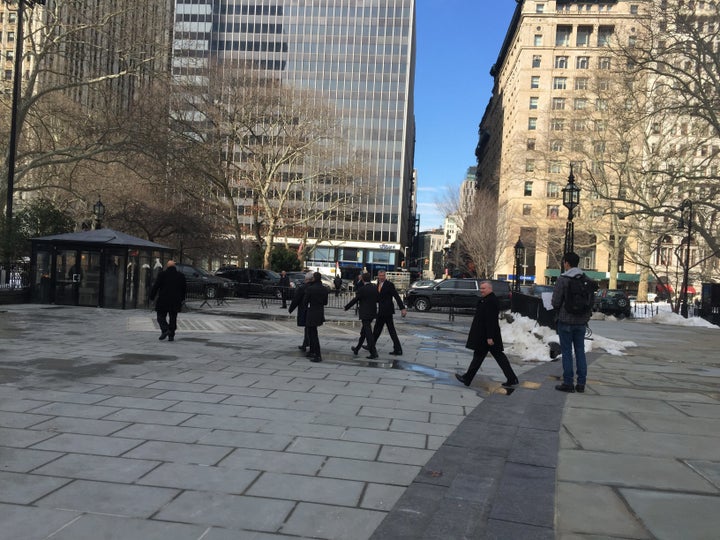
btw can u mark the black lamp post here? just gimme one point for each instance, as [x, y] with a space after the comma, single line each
[687, 203]
[571, 199]
[12, 141]
[99, 211]
[519, 254]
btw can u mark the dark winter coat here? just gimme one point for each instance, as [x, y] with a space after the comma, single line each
[561, 293]
[170, 289]
[385, 300]
[284, 284]
[315, 298]
[297, 302]
[485, 324]
[367, 298]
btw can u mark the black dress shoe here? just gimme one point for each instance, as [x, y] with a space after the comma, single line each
[372, 357]
[163, 335]
[171, 338]
[303, 348]
[569, 388]
[462, 379]
[511, 383]
[316, 359]
[355, 350]
[396, 353]
[580, 388]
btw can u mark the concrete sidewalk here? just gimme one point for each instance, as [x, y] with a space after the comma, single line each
[106, 432]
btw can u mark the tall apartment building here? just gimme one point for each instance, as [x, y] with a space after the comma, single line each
[357, 55]
[617, 93]
[549, 78]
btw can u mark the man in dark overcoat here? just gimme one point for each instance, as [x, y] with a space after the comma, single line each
[366, 298]
[315, 298]
[297, 303]
[284, 286]
[485, 337]
[170, 289]
[386, 309]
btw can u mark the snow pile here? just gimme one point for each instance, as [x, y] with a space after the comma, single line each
[668, 317]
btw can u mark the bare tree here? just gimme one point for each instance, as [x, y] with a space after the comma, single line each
[271, 155]
[82, 68]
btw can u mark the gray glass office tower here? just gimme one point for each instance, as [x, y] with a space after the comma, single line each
[359, 55]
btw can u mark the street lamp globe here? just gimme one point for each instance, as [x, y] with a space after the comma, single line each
[571, 194]
[99, 211]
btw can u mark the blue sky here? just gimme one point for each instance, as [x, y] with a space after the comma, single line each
[457, 43]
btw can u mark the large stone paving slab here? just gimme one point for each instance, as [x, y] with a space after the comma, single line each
[676, 515]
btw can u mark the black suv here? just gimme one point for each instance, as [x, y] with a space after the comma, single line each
[612, 302]
[457, 293]
[253, 281]
[202, 283]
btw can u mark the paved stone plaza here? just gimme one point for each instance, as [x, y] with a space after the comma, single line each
[230, 433]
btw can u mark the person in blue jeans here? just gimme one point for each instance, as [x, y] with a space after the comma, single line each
[570, 328]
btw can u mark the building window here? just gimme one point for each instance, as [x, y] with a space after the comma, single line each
[555, 167]
[529, 165]
[581, 83]
[632, 41]
[559, 83]
[536, 61]
[633, 9]
[553, 211]
[562, 36]
[537, 40]
[583, 36]
[527, 209]
[556, 145]
[561, 62]
[601, 104]
[579, 124]
[527, 189]
[604, 62]
[535, 81]
[582, 62]
[579, 104]
[531, 144]
[553, 190]
[577, 167]
[539, 8]
[604, 35]
[578, 145]
[558, 104]
[532, 123]
[599, 147]
[557, 124]
[533, 103]
[603, 84]
[600, 125]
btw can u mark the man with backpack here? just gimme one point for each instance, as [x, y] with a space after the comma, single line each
[573, 297]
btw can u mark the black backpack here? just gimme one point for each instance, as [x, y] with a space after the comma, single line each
[581, 295]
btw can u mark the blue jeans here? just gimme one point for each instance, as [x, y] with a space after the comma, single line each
[572, 336]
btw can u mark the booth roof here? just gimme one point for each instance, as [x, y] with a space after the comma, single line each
[106, 237]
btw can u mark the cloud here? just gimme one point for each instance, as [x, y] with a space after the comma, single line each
[428, 189]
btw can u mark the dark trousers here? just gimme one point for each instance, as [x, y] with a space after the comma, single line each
[313, 341]
[499, 356]
[165, 326]
[305, 342]
[366, 333]
[387, 320]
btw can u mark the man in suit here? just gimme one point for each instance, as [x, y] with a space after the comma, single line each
[297, 302]
[315, 298]
[386, 293]
[284, 285]
[170, 288]
[485, 337]
[366, 298]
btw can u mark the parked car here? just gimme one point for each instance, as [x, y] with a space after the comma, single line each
[538, 290]
[613, 302]
[253, 281]
[203, 283]
[458, 293]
